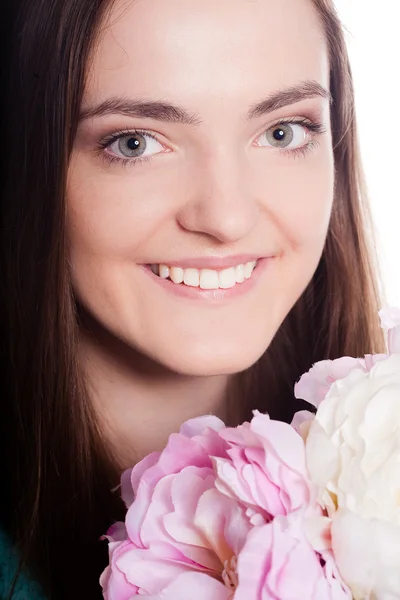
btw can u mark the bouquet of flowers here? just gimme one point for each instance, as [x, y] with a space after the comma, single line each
[272, 511]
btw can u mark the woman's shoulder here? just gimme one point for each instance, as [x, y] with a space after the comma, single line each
[25, 588]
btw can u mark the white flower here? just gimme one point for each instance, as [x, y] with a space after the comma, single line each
[367, 552]
[353, 455]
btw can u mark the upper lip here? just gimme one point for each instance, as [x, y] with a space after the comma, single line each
[213, 262]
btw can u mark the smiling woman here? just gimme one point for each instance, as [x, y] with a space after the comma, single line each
[184, 232]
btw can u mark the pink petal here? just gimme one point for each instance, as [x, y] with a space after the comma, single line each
[113, 580]
[131, 477]
[301, 418]
[197, 426]
[196, 586]
[182, 452]
[223, 523]
[315, 385]
[150, 575]
[282, 440]
[372, 359]
[278, 563]
[116, 533]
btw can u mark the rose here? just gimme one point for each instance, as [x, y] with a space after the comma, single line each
[353, 455]
[193, 507]
[173, 509]
[192, 446]
[189, 535]
[265, 468]
[278, 562]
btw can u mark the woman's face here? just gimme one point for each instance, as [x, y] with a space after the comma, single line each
[204, 149]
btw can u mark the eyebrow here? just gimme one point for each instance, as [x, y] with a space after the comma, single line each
[170, 113]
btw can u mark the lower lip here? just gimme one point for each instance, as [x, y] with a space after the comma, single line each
[219, 295]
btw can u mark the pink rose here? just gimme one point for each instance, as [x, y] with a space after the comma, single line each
[315, 385]
[113, 580]
[195, 510]
[265, 468]
[278, 563]
[192, 446]
[189, 529]
[180, 531]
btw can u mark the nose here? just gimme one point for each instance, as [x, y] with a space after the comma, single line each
[220, 203]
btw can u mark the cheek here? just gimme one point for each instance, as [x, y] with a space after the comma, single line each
[301, 201]
[299, 204]
[111, 217]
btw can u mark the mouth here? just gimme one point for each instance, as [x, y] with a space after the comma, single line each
[206, 279]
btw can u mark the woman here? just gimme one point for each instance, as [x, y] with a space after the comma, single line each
[184, 232]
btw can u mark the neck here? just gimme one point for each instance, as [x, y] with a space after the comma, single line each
[138, 402]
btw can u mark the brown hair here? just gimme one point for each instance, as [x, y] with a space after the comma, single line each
[59, 478]
[337, 315]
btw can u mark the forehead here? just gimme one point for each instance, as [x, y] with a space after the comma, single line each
[206, 52]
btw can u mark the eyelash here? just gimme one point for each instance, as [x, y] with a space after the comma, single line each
[313, 127]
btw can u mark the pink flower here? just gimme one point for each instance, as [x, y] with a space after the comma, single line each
[195, 510]
[265, 468]
[179, 528]
[315, 385]
[189, 528]
[192, 446]
[278, 563]
[113, 580]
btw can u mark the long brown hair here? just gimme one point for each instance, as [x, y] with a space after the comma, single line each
[59, 477]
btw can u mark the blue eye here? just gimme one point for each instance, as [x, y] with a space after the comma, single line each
[293, 137]
[286, 136]
[134, 145]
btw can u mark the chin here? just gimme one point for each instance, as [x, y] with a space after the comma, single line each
[207, 362]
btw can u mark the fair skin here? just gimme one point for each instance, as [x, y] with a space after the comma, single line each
[231, 186]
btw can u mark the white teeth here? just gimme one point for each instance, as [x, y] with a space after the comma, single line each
[209, 279]
[191, 277]
[176, 274]
[248, 269]
[164, 272]
[240, 274]
[227, 278]
[206, 279]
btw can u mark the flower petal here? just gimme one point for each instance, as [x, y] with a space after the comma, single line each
[314, 386]
[367, 552]
[194, 585]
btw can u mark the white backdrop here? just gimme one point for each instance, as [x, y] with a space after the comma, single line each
[374, 44]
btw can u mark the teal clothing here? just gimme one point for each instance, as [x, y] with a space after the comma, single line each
[26, 588]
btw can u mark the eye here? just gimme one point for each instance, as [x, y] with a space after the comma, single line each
[134, 145]
[287, 136]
